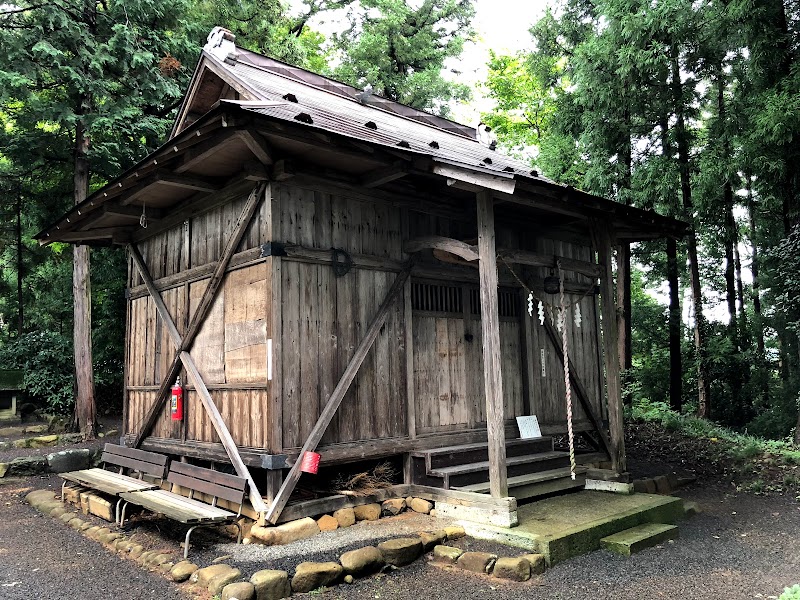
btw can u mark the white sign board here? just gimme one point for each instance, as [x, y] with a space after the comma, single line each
[529, 427]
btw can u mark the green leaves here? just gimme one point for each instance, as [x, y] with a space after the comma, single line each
[401, 50]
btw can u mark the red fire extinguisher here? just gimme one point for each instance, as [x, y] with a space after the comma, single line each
[176, 405]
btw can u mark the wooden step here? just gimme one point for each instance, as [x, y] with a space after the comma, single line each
[478, 452]
[535, 484]
[638, 538]
[477, 472]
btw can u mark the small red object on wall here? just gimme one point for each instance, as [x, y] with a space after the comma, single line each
[310, 463]
[176, 404]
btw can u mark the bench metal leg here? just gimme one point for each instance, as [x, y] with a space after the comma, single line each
[122, 515]
[63, 485]
[116, 512]
[186, 541]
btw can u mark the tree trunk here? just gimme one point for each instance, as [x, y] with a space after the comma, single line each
[675, 362]
[703, 387]
[744, 336]
[85, 417]
[20, 274]
[754, 265]
[624, 329]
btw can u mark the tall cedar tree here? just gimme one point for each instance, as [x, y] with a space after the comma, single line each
[401, 50]
[88, 84]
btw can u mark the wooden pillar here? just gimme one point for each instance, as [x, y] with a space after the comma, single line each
[492, 370]
[603, 236]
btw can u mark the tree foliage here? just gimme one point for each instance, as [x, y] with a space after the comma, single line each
[400, 48]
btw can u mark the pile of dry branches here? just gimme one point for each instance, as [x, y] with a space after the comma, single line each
[364, 484]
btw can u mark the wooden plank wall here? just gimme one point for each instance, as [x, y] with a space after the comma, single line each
[322, 319]
[230, 348]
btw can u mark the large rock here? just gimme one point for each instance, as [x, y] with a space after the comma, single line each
[202, 576]
[345, 517]
[515, 569]
[102, 507]
[243, 590]
[43, 441]
[70, 438]
[401, 551]
[27, 465]
[42, 428]
[288, 532]
[446, 554]
[69, 460]
[537, 563]
[38, 497]
[455, 532]
[271, 585]
[477, 562]
[367, 512]
[432, 538]
[217, 583]
[4, 468]
[393, 506]
[420, 505]
[327, 523]
[311, 576]
[362, 561]
[182, 571]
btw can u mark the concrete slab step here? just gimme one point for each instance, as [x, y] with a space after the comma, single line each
[638, 538]
[530, 479]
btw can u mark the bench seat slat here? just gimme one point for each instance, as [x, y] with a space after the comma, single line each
[107, 481]
[206, 487]
[178, 508]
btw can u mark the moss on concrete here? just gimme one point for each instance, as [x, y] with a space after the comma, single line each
[638, 538]
[565, 526]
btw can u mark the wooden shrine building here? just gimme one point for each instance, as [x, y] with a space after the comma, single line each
[329, 270]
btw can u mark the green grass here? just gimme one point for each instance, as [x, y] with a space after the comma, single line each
[764, 466]
[791, 593]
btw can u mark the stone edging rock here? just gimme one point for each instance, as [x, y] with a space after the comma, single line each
[63, 461]
[224, 579]
[662, 484]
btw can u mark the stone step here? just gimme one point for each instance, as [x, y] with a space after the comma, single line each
[638, 538]
[478, 472]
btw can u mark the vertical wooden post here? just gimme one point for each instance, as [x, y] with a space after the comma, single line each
[601, 231]
[272, 233]
[492, 370]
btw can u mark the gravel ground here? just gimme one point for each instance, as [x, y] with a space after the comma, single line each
[741, 546]
[42, 558]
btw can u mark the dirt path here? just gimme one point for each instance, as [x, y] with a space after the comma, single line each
[41, 558]
[742, 546]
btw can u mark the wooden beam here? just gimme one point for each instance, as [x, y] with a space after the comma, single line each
[603, 238]
[533, 259]
[337, 395]
[200, 313]
[257, 145]
[476, 177]
[188, 182]
[101, 233]
[492, 365]
[384, 175]
[437, 242]
[204, 150]
[115, 209]
[195, 205]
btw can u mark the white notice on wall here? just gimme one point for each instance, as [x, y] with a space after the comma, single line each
[529, 427]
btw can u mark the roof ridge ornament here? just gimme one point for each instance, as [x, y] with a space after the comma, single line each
[486, 136]
[221, 43]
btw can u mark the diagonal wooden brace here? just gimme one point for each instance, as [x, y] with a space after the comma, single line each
[337, 396]
[181, 345]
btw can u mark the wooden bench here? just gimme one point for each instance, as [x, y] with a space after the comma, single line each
[116, 482]
[188, 510]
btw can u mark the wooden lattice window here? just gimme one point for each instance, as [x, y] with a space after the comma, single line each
[436, 297]
[450, 298]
